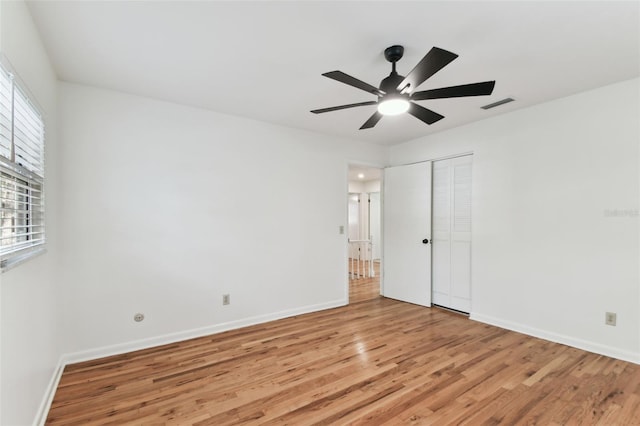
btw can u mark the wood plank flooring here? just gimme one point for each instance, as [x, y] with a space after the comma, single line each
[374, 362]
[365, 288]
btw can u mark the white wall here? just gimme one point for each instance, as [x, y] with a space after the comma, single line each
[161, 210]
[368, 186]
[547, 257]
[29, 346]
[356, 187]
[372, 186]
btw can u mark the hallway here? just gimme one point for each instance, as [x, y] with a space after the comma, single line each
[364, 288]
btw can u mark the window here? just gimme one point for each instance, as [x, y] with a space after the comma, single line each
[21, 174]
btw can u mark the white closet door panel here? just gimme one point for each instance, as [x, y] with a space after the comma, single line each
[407, 210]
[441, 267]
[441, 231]
[452, 233]
[461, 269]
[461, 195]
[441, 198]
[441, 299]
[461, 235]
[462, 305]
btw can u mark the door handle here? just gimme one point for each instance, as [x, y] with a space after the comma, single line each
[425, 241]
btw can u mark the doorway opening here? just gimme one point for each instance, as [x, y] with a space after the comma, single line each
[364, 233]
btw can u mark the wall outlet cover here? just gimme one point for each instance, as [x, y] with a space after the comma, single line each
[610, 318]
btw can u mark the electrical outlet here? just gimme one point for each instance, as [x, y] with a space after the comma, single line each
[610, 318]
[138, 317]
[226, 299]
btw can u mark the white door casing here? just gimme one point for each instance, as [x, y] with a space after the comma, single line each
[375, 225]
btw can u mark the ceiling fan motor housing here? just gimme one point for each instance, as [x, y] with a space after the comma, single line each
[390, 84]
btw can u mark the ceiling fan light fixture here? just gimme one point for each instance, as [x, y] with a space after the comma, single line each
[396, 94]
[393, 106]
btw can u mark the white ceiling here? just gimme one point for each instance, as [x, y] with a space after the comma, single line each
[264, 59]
[368, 173]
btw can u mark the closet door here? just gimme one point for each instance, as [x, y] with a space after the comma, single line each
[452, 233]
[407, 233]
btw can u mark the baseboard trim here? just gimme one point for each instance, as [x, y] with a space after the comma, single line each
[121, 348]
[559, 338]
[45, 405]
[135, 345]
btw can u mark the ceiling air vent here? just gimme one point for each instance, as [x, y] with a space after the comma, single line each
[495, 104]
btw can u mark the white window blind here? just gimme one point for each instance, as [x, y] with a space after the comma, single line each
[21, 174]
[6, 108]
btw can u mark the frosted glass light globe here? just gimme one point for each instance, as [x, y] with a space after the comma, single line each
[394, 106]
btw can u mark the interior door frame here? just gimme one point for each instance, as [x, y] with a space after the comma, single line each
[348, 165]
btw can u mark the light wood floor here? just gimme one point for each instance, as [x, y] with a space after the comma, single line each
[373, 362]
[362, 288]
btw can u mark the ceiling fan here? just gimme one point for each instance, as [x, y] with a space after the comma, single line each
[396, 93]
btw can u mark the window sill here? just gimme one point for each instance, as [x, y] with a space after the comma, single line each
[12, 262]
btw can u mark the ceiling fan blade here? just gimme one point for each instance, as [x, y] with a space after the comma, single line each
[424, 114]
[473, 89]
[354, 82]
[336, 108]
[372, 121]
[433, 61]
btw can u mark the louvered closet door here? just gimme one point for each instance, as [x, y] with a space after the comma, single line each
[451, 227]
